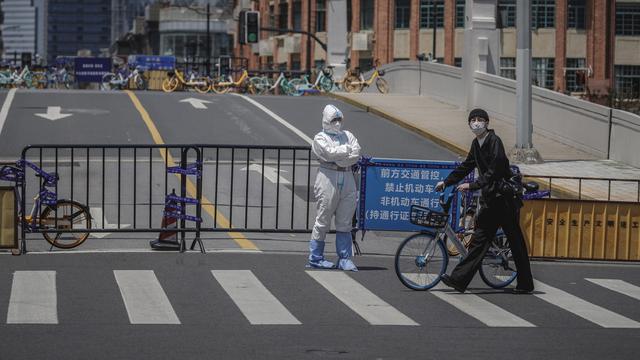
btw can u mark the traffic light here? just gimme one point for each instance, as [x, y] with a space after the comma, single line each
[252, 24]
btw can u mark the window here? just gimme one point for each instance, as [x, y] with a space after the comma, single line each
[283, 16]
[365, 64]
[272, 17]
[426, 14]
[627, 19]
[508, 68]
[366, 14]
[543, 13]
[297, 15]
[460, 13]
[457, 62]
[628, 81]
[403, 13]
[576, 14]
[542, 72]
[575, 74]
[506, 13]
[321, 16]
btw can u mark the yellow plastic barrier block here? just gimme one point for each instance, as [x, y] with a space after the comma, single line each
[8, 223]
[582, 229]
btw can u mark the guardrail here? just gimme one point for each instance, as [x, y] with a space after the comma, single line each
[589, 188]
[241, 188]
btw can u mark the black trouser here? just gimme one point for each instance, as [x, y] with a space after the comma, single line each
[496, 213]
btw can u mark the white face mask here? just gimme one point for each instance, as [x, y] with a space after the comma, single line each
[478, 127]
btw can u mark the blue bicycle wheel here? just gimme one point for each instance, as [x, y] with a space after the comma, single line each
[498, 269]
[420, 261]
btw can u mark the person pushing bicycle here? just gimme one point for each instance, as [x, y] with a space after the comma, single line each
[498, 207]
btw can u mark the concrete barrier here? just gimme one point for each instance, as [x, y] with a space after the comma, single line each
[598, 130]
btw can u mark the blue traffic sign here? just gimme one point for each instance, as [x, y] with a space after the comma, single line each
[91, 69]
[389, 187]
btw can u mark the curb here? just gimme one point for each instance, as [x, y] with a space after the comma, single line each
[436, 139]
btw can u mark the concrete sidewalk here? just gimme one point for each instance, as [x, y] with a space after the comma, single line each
[446, 124]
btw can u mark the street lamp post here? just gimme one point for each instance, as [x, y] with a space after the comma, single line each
[433, 21]
[308, 65]
[208, 47]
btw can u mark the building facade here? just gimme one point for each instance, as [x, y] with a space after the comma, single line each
[19, 28]
[73, 26]
[576, 44]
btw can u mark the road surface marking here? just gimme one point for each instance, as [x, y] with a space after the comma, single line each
[239, 238]
[5, 108]
[255, 302]
[365, 303]
[53, 113]
[144, 298]
[96, 220]
[481, 309]
[277, 118]
[620, 286]
[270, 173]
[197, 103]
[582, 308]
[33, 298]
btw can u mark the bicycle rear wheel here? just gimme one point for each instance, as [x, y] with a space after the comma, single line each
[497, 269]
[69, 215]
[420, 261]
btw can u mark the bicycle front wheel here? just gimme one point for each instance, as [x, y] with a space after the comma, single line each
[69, 215]
[420, 261]
[382, 85]
[498, 269]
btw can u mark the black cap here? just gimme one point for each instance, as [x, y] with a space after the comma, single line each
[478, 113]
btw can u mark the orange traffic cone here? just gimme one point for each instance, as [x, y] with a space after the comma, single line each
[168, 239]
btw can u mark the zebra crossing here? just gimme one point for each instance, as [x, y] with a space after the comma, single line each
[34, 300]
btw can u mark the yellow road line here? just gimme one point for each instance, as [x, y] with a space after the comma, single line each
[223, 222]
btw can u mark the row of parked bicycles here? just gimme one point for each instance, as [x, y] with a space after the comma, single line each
[53, 77]
[322, 81]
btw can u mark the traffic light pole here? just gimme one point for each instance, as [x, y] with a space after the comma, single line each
[323, 45]
[208, 47]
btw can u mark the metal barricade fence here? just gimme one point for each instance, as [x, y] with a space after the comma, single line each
[239, 188]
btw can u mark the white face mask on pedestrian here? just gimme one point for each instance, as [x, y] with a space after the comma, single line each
[478, 127]
[335, 126]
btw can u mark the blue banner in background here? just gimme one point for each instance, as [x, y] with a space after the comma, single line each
[91, 69]
[389, 187]
[153, 62]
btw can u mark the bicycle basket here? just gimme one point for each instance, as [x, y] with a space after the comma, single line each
[426, 217]
[381, 72]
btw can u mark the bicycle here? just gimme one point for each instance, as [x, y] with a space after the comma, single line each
[422, 258]
[223, 87]
[49, 212]
[264, 85]
[358, 85]
[176, 78]
[323, 82]
[121, 80]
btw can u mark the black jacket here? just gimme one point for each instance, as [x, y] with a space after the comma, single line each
[492, 164]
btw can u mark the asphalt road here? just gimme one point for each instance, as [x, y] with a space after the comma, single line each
[92, 292]
[94, 320]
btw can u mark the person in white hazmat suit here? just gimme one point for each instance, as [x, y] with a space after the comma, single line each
[335, 190]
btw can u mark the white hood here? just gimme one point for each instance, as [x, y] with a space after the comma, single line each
[329, 113]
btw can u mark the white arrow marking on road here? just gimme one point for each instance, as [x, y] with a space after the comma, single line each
[53, 113]
[96, 218]
[197, 103]
[270, 173]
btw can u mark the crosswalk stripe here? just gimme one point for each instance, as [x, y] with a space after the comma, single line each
[479, 308]
[253, 299]
[33, 298]
[366, 304]
[143, 297]
[582, 308]
[620, 286]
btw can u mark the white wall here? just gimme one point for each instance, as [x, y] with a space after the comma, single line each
[572, 121]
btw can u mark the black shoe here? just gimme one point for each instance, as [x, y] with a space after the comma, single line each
[446, 279]
[517, 291]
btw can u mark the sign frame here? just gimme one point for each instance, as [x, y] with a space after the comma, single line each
[15, 245]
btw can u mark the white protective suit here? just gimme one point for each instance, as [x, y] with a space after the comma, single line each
[335, 188]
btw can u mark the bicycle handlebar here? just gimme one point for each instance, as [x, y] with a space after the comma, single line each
[16, 173]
